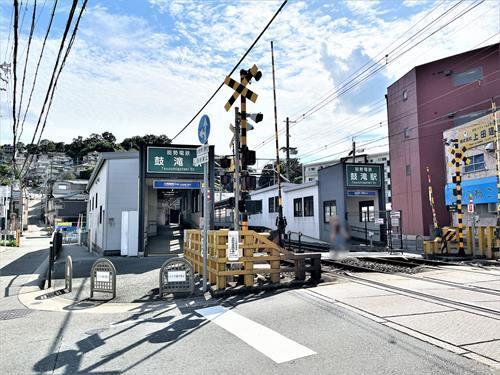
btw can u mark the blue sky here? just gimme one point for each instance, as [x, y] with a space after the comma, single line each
[146, 66]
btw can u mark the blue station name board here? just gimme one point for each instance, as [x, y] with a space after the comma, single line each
[166, 184]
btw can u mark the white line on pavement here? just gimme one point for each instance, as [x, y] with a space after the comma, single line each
[270, 343]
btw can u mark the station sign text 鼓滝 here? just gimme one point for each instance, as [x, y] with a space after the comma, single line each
[172, 160]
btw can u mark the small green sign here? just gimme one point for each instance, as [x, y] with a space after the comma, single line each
[363, 175]
[172, 160]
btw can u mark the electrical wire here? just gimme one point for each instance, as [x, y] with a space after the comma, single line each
[38, 64]
[232, 71]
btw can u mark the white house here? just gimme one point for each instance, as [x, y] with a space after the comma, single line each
[300, 208]
[113, 188]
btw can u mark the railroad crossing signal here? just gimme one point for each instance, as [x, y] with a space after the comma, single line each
[240, 88]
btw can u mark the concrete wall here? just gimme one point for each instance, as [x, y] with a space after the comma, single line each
[307, 225]
[433, 103]
[96, 228]
[265, 219]
[331, 187]
[122, 195]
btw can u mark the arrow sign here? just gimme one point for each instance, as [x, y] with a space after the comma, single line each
[204, 129]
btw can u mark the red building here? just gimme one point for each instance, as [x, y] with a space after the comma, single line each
[423, 103]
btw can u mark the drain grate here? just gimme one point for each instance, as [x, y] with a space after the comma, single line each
[14, 314]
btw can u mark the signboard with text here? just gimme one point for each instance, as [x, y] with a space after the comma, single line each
[368, 175]
[477, 132]
[172, 160]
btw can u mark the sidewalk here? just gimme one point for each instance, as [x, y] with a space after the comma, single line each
[19, 266]
[136, 281]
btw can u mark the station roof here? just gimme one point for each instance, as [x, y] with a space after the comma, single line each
[103, 156]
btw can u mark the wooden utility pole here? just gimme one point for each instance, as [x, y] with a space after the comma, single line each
[281, 221]
[288, 149]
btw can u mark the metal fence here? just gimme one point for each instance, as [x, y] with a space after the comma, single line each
[381, 228]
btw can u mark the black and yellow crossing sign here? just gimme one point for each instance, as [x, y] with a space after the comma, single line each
[459, 156]
[240, 88]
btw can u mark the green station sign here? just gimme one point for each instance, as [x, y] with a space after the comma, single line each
[172, 160]
[367, 175]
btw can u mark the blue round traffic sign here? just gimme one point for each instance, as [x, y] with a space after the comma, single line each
[204, 129]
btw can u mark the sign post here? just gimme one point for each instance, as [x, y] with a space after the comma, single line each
[202, 158]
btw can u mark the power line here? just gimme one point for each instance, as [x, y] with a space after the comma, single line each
[53, 81]
[16, 25]
[345, 83]
[38, 65]
[232, 71]
[32, 28]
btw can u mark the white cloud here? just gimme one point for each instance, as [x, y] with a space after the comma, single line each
[130, 76]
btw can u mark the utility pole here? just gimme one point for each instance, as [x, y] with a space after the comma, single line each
[288, 149]
[236, 218]
[353, 151]
[281, 221]
[243, 142]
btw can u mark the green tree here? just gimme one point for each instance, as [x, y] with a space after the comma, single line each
[134, 143]
[268, 174]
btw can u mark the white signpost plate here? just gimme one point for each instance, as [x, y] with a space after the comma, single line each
[176, 276]
[200, 160]
[202, 150]
[233, 246]
[379, 220]
[102, 277]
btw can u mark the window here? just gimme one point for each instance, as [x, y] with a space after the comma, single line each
[405, 95]
[297, 207]
[407, 132]
[469, 76]
[408, 170]
[273, 204]
[329, 210]
[100, 214]
[95, 200]
[62, 187]
[476, 163]
[92, 205]
[309, 206]
[366, 211]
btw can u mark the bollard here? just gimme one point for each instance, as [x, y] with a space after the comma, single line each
[176, 276]
[300, 242]
[68, 275]
[103, 277]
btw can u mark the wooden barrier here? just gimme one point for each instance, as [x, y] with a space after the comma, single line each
[485, 238]
[258, 255]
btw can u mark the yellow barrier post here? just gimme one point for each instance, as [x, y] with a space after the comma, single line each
[480, 236]
[220, 259]
[468, 233]
[247, 253]
[490, 235]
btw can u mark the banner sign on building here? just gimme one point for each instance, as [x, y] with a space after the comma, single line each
[172, 160]
[361, 193]
[368, 175]
[165, 184]
[477, 132]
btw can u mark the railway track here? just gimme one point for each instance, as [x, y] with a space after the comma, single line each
[464, 305]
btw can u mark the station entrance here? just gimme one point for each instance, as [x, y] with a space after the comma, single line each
[171, 198]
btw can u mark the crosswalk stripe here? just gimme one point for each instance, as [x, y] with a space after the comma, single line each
[270, 343]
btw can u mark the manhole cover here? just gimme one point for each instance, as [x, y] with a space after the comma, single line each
[14, 313]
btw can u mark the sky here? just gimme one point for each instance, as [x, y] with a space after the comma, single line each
[147, 66]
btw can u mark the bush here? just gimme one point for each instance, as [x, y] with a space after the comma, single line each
[8, 243]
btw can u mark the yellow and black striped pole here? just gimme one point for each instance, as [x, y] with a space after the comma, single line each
[431, 202]
[459, 155]
[243, 140]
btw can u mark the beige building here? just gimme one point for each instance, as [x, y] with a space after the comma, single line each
[479, 176]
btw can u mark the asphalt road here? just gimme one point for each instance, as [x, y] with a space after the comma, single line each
[184, 342]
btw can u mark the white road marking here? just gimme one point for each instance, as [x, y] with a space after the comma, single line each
[270, 343]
